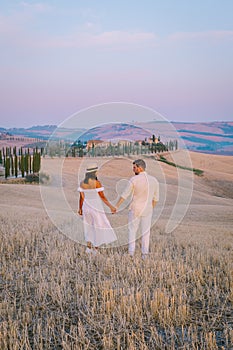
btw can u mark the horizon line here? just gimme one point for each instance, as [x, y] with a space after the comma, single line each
[172, 121]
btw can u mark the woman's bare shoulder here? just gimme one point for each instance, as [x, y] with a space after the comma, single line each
[98, 184]
[83, 185]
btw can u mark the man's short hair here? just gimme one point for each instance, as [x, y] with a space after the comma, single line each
[140, 163]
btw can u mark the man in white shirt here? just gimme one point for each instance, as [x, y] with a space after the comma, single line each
[144, 190]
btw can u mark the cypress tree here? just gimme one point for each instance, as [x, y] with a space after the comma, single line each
[7, 167]
[22, 165]
[118, 148]
[33, 162]
[39, 161]
[93, 150]
[80, 152]
[30, 163]
[12, 165]
[36, 162]
[26, 162]
[16, 165]
[0, 157]
[130, 147]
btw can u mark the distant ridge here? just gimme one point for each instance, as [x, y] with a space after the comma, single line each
[210, 137]
[213, 137]
[38, 131]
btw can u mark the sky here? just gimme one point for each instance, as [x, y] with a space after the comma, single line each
[58, 57]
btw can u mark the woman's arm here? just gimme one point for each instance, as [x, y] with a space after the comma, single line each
[81, 199]
[104, 199]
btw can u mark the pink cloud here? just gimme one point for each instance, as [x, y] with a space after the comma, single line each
[105, 39]
[36, 7]
[206, 35]
[83, 39]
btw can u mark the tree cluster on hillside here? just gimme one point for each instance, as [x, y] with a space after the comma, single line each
[20, 162]
[96, 148]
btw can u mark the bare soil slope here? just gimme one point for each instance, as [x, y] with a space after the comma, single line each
[211, 201]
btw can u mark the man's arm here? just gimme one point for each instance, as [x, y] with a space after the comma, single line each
[120, 201]
[127, 192]
[156, 195]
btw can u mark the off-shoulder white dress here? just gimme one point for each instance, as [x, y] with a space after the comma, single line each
[97, 228]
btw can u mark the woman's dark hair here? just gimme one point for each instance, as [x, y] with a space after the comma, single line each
[88, 176]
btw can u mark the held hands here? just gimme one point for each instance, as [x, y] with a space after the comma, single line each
[113, 209]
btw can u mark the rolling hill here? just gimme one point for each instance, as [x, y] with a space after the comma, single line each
[214, 137]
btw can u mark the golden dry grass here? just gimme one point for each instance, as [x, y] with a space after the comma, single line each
[54, 296]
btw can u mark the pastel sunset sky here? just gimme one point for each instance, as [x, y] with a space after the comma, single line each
[57, 57]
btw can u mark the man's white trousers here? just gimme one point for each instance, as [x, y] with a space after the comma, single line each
[144, 223]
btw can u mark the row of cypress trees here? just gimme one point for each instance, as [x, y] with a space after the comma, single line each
[80, 149]
[129, 148]
[20, 162]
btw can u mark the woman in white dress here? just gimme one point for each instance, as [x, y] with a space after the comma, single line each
[97, 228]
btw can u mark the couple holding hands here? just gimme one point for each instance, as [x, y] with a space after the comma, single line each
[144, 190]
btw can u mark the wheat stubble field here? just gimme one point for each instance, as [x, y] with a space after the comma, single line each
[54, 296]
